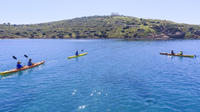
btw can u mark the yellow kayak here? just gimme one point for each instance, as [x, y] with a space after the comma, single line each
[190, 56]
[78, 55]
[21, 69]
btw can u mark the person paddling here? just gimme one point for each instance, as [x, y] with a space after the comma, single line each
[172, 52]
[76, 53]
[181, 53]
[19, 66]
[30, 62]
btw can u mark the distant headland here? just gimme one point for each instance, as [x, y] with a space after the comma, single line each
[102, 27]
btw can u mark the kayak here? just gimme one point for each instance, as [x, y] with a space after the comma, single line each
[78, 55]
[21, 69]
[190, 56]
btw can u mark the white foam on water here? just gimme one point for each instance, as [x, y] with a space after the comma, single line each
[74, 92]
[81, 107]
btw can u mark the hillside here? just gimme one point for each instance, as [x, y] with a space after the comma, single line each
[103, 27]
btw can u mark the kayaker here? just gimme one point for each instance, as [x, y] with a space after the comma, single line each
[19, 66]
[76, 53]
[30, 62]
[172, 52]
[181, 53]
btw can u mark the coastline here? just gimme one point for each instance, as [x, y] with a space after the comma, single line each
[103, 27]
[126, 39]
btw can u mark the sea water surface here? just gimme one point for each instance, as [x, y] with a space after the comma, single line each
[115, 76]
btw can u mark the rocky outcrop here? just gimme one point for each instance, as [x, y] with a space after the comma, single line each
[177, 35]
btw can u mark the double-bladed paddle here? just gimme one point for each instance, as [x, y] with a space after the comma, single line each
[25, 56]
[14, 57]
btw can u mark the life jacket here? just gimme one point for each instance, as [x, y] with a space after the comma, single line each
[19, 66]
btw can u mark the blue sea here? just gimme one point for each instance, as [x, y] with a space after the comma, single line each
[115, 76]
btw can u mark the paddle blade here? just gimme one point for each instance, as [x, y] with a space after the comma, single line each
[14, 57]
[25, 56]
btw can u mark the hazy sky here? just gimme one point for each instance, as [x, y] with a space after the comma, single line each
[38, 11]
